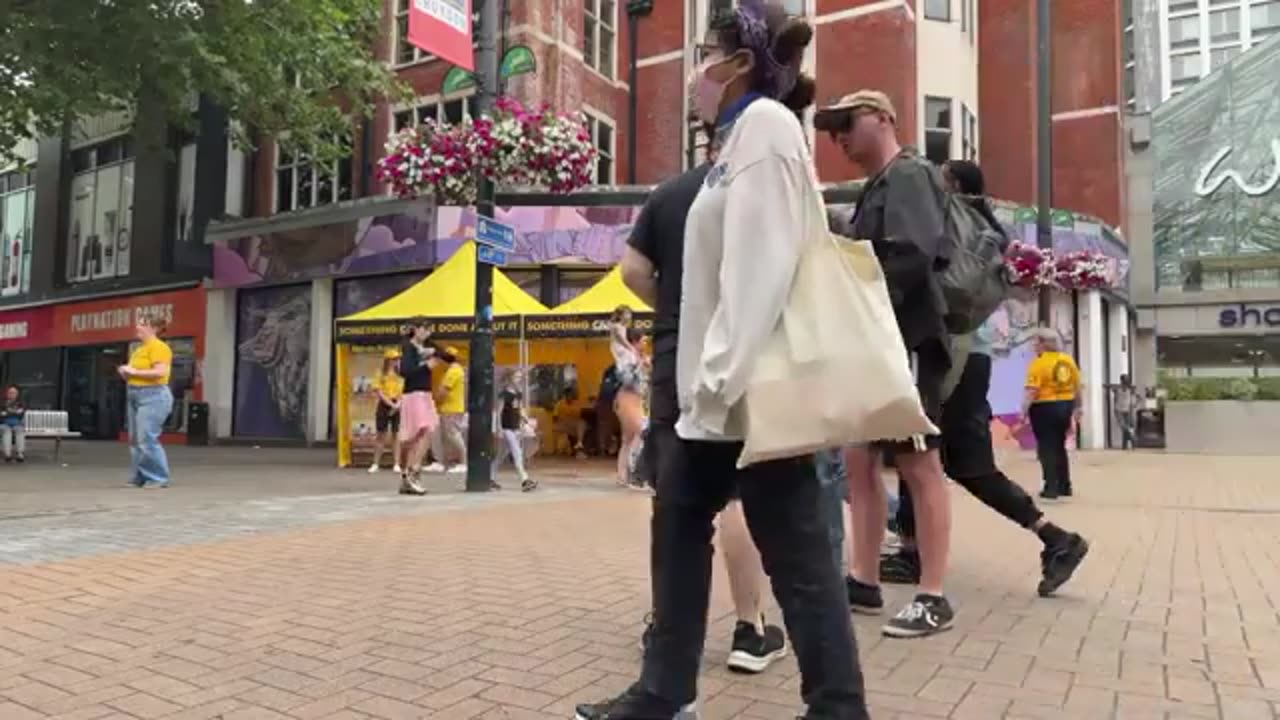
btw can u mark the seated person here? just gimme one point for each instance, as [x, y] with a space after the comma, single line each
[568, 421]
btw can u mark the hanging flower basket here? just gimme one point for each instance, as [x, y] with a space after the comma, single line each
[1030, 267]
[516, 146]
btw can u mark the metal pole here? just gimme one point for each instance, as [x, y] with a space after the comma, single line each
[633, 99]
[636, 9]
[1044, 144]
[480, 362]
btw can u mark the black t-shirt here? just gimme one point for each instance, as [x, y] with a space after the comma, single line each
[509, 417]
[414, 369]
[659, 236]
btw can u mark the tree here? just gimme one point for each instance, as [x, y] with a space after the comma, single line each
[302, 66]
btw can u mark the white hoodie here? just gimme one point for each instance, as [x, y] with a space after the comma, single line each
[742, 245]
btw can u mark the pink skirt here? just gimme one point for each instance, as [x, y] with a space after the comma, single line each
[417, 415]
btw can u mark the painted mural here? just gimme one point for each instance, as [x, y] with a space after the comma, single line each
[273, 362]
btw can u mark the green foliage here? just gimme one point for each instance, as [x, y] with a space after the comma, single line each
[1210, 388]
[302, 66]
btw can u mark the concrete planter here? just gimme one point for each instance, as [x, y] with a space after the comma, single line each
[1222, 427]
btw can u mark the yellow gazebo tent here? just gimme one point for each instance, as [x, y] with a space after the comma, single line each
[446, 298]
[604, 297]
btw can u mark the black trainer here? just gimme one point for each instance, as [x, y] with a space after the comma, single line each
[901, 568]
[926, 615]
[634, 704]
[864, 599]
[753, 652]
[1059, 563]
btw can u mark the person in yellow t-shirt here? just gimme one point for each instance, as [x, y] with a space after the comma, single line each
[451, 402]
[1052, 406]
[149, 404]
[389, 389]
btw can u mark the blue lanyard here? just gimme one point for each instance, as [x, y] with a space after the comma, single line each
[730, 115]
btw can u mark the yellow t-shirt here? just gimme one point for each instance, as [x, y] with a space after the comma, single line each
[146, 356]
[391, 385]
[1054, 376]
[453, 391]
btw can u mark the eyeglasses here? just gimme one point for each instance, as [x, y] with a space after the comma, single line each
[702, 52]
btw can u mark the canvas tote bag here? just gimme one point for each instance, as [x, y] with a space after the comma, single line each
[835, 371]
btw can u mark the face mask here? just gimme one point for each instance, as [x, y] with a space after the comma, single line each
[706, 93]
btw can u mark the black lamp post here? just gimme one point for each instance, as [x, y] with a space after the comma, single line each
[1044, 144]
[636, 9]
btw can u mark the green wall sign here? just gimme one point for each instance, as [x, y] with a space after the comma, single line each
[519, 60]
[456, 80]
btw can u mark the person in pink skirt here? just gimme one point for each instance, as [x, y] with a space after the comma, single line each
[418, 417]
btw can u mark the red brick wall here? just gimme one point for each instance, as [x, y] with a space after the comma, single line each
[876, 50]
[1087, 152]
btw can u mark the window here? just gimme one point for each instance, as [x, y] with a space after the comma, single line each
[937, 132]
[602, 137]
[937, 10]
[1264, 17]
[1184, 33]
[1222, 56]
[968, 133]
[451, 112]
[303, 183]
[1224, 25]
[1184, 69]
[17, 214]
[1181, 6]
[599, 21]
[403, 52]
[101, 212]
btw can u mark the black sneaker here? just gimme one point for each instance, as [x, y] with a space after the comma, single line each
[1059, 563]
[634, 704]
[528, 485]
[754, 653]
[926, 615]
[864, 599]
[901, 568]
[1048, 495]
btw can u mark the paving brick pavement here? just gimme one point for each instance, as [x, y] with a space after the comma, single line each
[507, 607]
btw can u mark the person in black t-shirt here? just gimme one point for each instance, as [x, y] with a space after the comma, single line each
[418, 417]
[652, 267]
[510, 421]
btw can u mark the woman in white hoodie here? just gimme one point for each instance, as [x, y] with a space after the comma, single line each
[743, 240]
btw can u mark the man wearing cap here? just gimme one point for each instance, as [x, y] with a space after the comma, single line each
[452, 402]
[901, 213]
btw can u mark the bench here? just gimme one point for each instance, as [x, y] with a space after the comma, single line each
[52, 424]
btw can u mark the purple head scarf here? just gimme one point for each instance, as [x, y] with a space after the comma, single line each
[753, 29]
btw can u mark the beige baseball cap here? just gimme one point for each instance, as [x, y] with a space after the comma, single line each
[868, 99]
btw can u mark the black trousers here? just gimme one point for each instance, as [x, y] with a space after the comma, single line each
[783, 503]
[1050, 423]
[967, 453]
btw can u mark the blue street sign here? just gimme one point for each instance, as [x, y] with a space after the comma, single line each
[490, 256]
[495, 234]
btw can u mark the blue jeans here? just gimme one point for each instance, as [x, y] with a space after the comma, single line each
[149, 406]
[834, 481]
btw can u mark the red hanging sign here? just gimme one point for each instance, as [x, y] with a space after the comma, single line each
[443, 28]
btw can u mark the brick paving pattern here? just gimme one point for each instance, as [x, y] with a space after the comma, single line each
[344, 605]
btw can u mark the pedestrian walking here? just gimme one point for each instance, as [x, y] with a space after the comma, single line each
[901, 213]
[968, 454]
[1052, 407]
[418, 418]
[652, 268]
[511, 420]
[13, 426]
[149, 402]
[386, 419]
[744, 236]
[451, 400]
